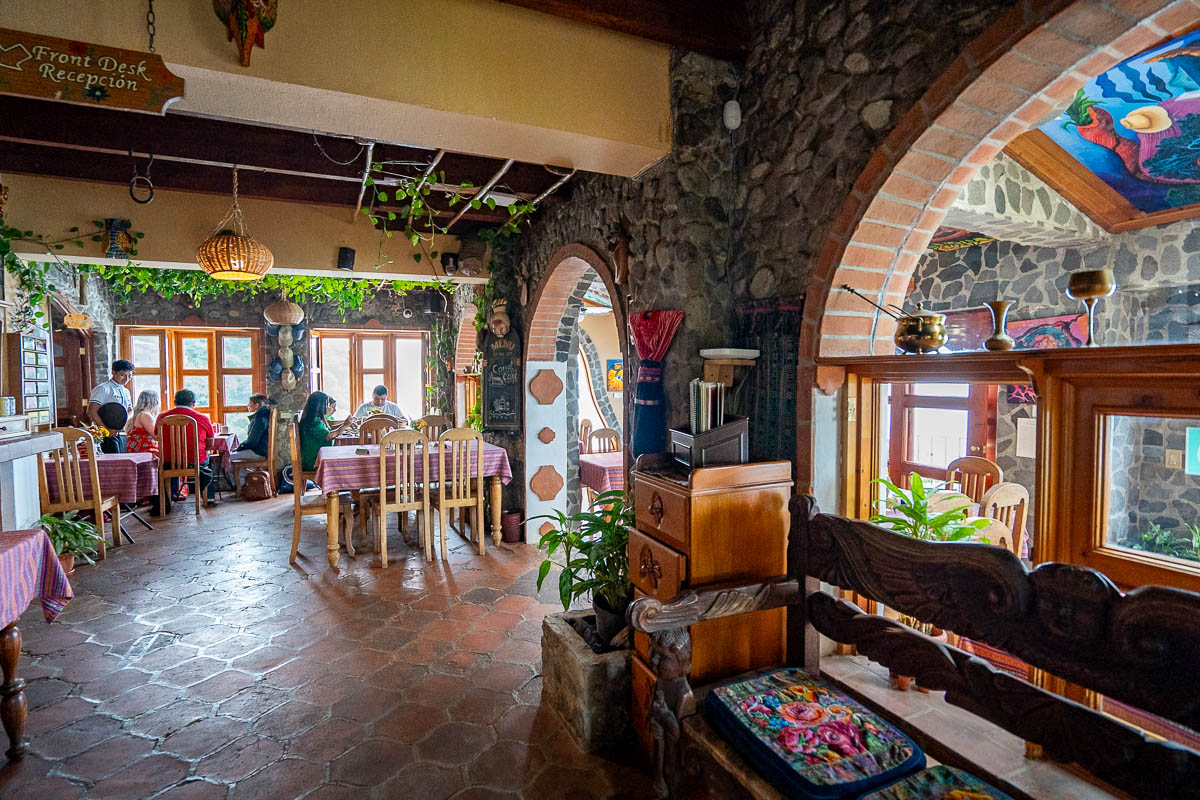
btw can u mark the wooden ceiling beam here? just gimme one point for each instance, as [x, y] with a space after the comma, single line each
[715, 27]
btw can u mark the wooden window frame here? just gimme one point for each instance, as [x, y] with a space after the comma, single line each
[980, 405]
[1076, 389]
[356, 337]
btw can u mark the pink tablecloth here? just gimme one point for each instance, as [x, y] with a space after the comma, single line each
[29, 568]
[224, 444]
[129, 476]
[603, 472]
[341, 469]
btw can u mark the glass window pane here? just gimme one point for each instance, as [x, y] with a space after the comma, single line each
[335, 373]
[142, 382]
[1153, 470]
[195, 353]
[60, 386]
[199, 385]
[238, 389]
[369, 381]
[238, 423]
[372, 354]
[942, 389]
[409, 390]
[145, 352]
[236, 352]
[939, 435]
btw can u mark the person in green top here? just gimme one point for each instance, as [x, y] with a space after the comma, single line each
[314, 433]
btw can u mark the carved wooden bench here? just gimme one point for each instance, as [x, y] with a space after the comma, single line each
[1142, 648]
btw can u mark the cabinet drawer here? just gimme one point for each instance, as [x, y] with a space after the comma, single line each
[11, 427]
[655, 568]
[662, 512]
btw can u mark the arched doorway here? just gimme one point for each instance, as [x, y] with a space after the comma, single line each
[553, 379]
[466, 372]
[1019, 71]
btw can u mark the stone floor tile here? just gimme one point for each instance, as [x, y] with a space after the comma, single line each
[455, 743]
[290, 719]
[410, 722]
[286, 779]
[172, 717]
[481, 706]
[327, 740]
[106, 758]
[141, 778]
[204, 736]
[425, 781]
[195, 789]
[507, 765]
[239, 759]
[370, 763]
[221, 686]
[485, 793]
[140, 700]
[75, 737]
[56, 788]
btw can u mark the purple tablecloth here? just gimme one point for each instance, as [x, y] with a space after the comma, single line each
[224, 444]
[29, 568]
[129, 476]
[603, 472]
[341, 469]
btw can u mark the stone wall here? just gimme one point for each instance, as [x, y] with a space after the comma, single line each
[99, 306]
[1143, 490]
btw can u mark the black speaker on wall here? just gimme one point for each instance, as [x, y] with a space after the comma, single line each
[345, 258]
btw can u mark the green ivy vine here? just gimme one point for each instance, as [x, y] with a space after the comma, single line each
[346, 294]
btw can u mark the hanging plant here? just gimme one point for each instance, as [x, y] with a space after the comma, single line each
[345, 294]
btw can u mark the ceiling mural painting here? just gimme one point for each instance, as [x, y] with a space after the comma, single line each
[1137, 126]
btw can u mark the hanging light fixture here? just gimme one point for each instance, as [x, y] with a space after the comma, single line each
[231, 253]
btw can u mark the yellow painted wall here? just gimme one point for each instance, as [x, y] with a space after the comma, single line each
[603, 330]
[473, 75]
[302, 236]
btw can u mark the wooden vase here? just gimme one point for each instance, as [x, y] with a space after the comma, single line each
[999, 340]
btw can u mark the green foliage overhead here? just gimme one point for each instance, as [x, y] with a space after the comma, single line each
[346, 294]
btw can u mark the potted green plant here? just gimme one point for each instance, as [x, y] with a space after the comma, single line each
[591, 546]
[71, 538]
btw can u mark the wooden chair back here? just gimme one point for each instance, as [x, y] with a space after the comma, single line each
[171, 431]
[605, 440]
[299, 477]
[68, 466]
[974, 475]
[373, 428]
[1068, 620]
[407, 452]
[434, 425]
[272, 440]
[459, 453]
[585, 435]
[1009, 503]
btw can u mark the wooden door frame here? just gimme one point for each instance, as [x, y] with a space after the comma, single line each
[980, 405]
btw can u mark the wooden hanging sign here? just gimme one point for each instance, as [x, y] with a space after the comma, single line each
[81, 322]
[45, 67]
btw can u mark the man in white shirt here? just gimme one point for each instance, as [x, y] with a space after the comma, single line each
[112, 391]
[379, 404]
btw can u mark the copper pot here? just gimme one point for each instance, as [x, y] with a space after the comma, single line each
[920, 332]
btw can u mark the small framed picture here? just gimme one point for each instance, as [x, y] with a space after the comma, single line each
[615, 381]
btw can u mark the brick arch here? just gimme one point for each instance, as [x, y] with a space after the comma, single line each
[1028, 63]
[1025, 66]
[464, 343]
[564, 274]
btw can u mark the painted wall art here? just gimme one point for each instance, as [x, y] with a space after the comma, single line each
[1047, 333]
[1137, 126]
[615, 381]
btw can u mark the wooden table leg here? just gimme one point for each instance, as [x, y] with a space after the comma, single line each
[497, 490]
[332, 524]
[12, 692]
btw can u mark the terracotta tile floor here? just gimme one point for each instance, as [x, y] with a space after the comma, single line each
[198, 664]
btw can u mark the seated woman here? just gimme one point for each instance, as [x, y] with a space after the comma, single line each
[140, 428]
[313, 430]
[258, 437]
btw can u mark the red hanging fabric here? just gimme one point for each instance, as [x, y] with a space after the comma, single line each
[653, 332]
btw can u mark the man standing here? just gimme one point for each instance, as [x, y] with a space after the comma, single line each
[185, 402]
[112, 391]
[379, 404]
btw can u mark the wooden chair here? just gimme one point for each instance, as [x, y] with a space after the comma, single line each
[68, 465]
[973, 475]
[434, 425]
[457, 488]
[173, 430]
[1128, 648]
[375, 426]
[605, 440]
[585, 435]
[267, 463]
[1009, 503]
[304, 504]
[403, 493]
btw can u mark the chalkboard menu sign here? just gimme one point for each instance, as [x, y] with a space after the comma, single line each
[502, 381]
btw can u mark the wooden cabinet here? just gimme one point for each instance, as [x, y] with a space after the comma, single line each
[706, 526]
[30, 374]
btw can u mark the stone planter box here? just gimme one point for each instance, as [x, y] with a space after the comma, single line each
[592, 693]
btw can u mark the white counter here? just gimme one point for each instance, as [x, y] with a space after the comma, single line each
[20, 499]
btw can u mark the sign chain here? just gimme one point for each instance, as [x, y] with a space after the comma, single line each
[150, 30]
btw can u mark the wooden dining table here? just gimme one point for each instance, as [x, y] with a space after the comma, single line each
[344, 468]
[602, 472]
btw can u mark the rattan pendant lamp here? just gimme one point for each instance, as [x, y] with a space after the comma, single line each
[231, 253]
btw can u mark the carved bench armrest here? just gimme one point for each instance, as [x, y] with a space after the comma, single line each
[650, 615]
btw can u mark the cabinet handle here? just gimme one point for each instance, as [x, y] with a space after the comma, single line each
[648, 567]
[656, 508]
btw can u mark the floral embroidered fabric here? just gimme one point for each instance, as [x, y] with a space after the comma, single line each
[809, 738]
[938, 783]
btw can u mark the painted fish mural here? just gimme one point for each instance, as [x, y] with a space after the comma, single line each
[1137, 126]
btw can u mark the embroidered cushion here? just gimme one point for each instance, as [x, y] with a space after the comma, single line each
[808, 738]
[939, 782]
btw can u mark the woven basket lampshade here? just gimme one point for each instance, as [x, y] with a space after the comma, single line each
[231, 253]
[283, 312]
[226, 256]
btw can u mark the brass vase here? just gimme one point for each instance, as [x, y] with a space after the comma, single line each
[1089, 286]
[999, 340]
